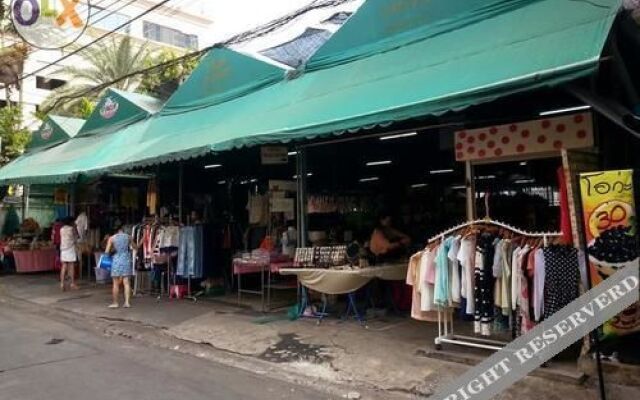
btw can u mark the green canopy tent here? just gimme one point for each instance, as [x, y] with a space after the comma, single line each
[53, 131]
[394, 60]
[94, 153]
[118, 109]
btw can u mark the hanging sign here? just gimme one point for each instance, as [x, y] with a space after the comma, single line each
[611, 233]
[274, 155]
[525, 138]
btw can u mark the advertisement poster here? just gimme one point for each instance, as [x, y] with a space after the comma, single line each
[611, 233]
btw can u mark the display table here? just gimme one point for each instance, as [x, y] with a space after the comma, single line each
[338, 281]
[341, 281]
[242, 267]
[35, 260]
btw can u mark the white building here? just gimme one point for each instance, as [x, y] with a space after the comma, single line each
[171, 26]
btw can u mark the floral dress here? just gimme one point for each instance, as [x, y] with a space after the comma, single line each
[121, 265]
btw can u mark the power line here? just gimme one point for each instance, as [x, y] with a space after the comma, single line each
[236, 39]
[81, 48]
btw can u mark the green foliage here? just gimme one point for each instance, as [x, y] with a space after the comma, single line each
[173, 74]
[111, 61]
[14, 136]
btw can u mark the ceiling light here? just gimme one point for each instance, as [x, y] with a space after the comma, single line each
[418, 185]
[457, 187]
[523, 181]
[485, 177]
[222, 182]
[292, 153]
[565, 110]
[440, 171]
[308, 174]
[212, 166]
[375, 163]
[244, 182]
[523, 163]
[253, 180]
[372, 179]
[398, 136]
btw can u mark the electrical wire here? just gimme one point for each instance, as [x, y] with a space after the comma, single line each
[86, 46]
[236, 39]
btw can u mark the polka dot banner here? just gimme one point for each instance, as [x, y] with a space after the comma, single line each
[574, 131]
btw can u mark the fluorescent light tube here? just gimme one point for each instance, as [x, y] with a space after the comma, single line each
[440, 171]
[398, 136]
[565, 110]
[375, 163]
[372, 179]
[212, 166]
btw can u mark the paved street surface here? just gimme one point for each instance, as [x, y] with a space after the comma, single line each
[41, 358]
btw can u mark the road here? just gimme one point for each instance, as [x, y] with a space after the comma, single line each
[41, 358]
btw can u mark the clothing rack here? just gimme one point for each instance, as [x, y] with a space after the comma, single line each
[445, 318]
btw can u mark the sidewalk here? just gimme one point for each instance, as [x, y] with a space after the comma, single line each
[394, 354]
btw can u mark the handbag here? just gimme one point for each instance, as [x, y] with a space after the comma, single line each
[105, 262]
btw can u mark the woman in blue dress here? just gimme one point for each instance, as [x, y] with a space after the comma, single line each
[120, 245]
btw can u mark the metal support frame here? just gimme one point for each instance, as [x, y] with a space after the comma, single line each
[446, 335]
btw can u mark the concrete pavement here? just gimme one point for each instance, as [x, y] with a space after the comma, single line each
[44, 359]
[394, 357]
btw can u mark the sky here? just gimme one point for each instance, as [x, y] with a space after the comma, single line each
[231, 17]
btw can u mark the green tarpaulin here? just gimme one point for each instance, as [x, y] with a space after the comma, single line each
[118, 109]
[384, 68]
[54, 130]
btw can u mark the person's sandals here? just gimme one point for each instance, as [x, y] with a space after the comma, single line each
[75, 287]
[114, 305]
[63, 287]
[127, 305]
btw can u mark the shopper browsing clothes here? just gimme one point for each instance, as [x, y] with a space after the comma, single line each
[68, 253]
[119, 245]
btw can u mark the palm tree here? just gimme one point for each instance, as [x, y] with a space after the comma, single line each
[103, 64]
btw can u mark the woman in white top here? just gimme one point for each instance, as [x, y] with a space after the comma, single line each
[68, 254]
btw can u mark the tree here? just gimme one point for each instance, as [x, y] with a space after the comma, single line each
[162, 82]
[104, 64]
[13, 134]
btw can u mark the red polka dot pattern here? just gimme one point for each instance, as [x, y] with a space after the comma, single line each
[524, 138]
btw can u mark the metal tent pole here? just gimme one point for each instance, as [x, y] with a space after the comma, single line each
[180, 191]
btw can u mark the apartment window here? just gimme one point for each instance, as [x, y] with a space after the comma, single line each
[48, 83]
[108, 20]
[170, 36]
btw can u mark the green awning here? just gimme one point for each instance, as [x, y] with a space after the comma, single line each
[118, 109]
[222, 75]
[398, 66]
[505, 48]
[53, 131]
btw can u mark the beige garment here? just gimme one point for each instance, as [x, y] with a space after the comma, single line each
[334, 281]
[413, 277]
